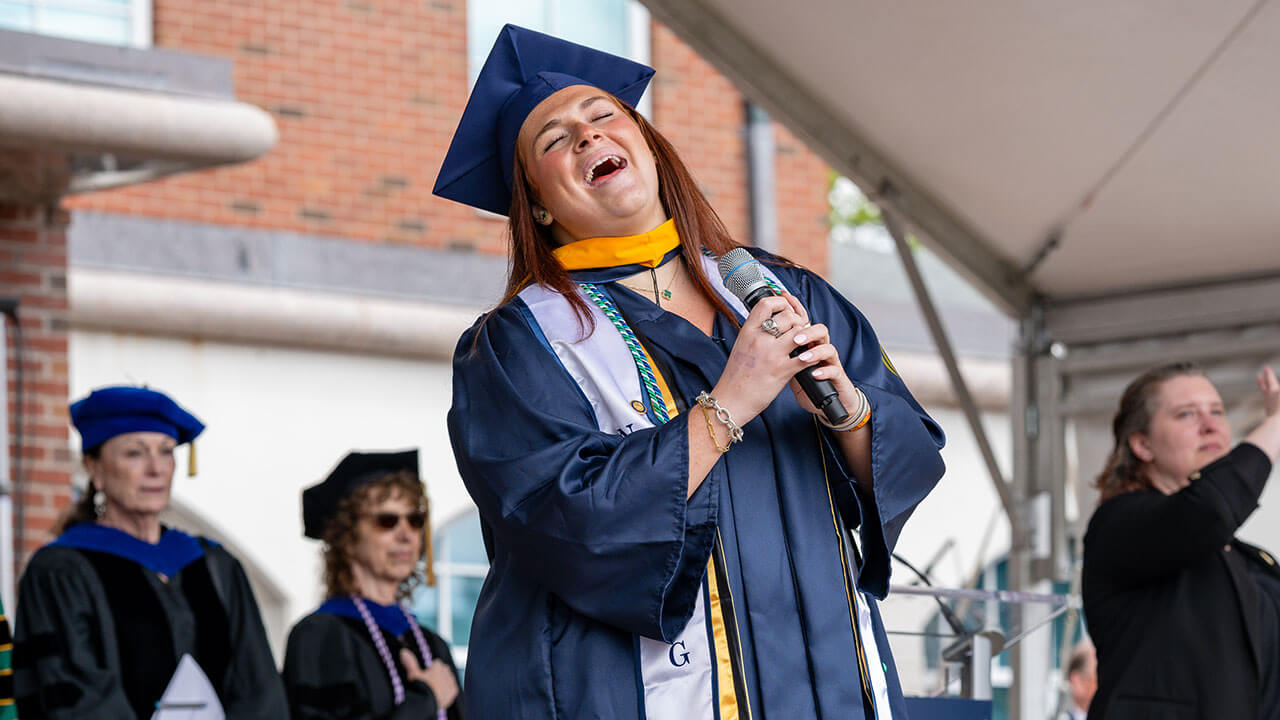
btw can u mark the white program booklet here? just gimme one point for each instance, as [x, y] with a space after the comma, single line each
[189, 696]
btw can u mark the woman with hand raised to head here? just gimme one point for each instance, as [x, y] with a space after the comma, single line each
[1184, 615]
[670, 531]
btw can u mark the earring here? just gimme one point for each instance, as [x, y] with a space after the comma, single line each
[542, 217]
[99, 503]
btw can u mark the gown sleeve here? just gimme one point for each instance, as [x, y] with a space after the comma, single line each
[1140, 537]
[252, 687]
[906, 444]
[327, 679]
[61, 666]
[598, 519]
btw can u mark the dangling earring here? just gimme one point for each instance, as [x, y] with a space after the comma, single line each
[99, 503]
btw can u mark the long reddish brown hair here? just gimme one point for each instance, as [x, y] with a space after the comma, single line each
[697, 223]
[1124, 471]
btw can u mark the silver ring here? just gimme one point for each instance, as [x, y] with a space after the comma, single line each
[771, 327]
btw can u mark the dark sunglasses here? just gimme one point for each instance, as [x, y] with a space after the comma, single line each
[389, 520]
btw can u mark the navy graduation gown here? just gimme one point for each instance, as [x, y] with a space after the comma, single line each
[592, 540]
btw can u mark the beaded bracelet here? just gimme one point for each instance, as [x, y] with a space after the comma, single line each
[722, 414]
[856, 420]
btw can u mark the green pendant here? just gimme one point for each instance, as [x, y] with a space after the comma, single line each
[666, 294]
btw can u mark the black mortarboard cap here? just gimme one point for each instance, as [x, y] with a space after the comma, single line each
[320, 502]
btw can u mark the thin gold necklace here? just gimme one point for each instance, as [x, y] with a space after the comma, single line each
[653, 276]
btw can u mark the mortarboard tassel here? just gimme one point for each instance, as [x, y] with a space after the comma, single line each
[191, 459]
[426, 538]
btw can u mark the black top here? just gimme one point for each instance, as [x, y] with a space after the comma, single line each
[1170, 601]
[99, 636]
[1264, 572]
[332, 671]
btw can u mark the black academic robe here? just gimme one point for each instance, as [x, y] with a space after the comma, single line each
[1170, 601]
[99, 636]
[332, 671]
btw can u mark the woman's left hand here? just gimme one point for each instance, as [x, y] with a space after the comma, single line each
[817, 339]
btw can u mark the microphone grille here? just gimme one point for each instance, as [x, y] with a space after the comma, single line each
[740, 273]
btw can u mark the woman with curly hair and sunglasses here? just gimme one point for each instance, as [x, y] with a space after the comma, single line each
[362, 655]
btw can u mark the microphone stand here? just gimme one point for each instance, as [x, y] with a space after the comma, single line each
[972, 650]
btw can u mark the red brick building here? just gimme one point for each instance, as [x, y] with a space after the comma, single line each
[365, 95]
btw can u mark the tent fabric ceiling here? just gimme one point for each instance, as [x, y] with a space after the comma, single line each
[1147, 132]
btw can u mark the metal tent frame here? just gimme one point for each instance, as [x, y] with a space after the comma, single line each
[1103, 173]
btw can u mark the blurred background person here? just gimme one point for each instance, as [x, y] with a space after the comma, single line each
[1082, 680]
[109, 608]
[362, 655]
[1185, 617]
[8, 709]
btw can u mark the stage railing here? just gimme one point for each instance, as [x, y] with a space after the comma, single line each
[946, 642]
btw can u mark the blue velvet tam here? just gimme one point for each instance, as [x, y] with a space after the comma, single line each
[523, 69]
[320, 501]
[111, 411]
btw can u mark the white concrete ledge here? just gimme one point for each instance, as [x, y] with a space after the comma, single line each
[989, 380]
[43, 113]
[186, 307]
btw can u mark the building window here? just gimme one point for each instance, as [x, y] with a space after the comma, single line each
[113, 22]
[461, 565]
[620, 27]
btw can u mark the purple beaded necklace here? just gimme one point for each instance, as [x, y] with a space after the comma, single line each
[397, 685]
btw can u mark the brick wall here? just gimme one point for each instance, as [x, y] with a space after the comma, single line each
[802, 179]
[704, 116]
[33, 266]
[367, 94]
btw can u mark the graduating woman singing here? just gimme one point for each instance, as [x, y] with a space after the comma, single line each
[670, 531]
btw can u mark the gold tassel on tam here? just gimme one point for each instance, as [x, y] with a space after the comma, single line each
[191, 459]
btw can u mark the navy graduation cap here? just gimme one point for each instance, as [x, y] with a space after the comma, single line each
[320, 501]
[523, 69]
[111, 411]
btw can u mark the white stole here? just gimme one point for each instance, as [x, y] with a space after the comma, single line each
[677, 676]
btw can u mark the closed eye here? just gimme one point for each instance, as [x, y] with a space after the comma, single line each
[553, 142]
[602, 117]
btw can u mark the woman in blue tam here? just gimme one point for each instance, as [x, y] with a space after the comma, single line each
[108, 610]
[362, 655]
[672, 533]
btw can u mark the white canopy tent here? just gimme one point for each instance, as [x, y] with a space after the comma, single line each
[1105, 172]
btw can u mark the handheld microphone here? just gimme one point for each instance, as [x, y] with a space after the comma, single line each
[742, 276]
